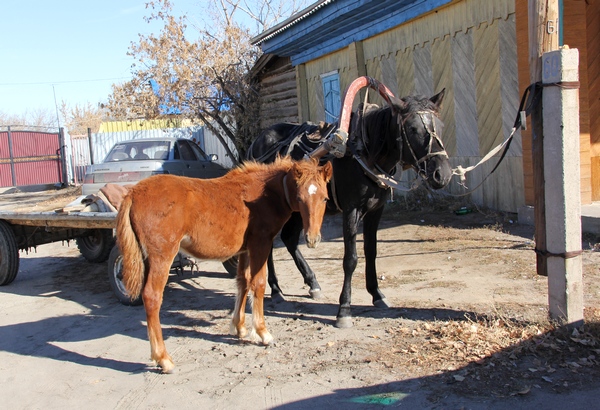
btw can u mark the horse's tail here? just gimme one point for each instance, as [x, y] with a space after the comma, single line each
[133, 259]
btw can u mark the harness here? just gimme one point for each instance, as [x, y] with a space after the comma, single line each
[384, 179]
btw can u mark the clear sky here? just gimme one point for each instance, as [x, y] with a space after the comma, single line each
[71, 49]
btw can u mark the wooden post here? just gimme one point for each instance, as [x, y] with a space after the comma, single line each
[543, 15]
[302, 91]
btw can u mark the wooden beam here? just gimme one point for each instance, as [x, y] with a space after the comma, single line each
[543, 37]
[302, 87]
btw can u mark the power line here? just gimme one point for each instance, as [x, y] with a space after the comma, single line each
[66, 82]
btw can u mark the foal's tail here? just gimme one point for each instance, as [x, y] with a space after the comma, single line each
[133, 259]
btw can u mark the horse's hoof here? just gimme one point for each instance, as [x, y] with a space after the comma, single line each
[277, 297]
[166, 366]
[381, 304]
[344, 322]
[234, 331]
[316, 293]
[268, 340]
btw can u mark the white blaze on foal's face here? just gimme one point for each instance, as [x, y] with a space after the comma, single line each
[312, 189]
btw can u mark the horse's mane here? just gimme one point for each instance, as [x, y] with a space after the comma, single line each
[284, 163]
[280, 164]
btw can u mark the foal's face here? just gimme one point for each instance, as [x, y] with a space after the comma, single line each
[312, 200]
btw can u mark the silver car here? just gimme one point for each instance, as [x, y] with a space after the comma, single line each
[131, 161]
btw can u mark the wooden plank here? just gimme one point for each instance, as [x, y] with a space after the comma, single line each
[575, 36]
[423, 76]
[463, 69]
[487, 85]
[86, 220]
[302, 91]
[509, 82]
[405, 72]
[593, 74]
[442, 73]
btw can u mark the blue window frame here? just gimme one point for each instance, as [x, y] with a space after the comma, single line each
[331, 96]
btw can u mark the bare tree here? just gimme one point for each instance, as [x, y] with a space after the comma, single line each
[81, 117]
[205, 79]
[36, 120]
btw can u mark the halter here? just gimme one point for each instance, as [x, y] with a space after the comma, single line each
[429, 124]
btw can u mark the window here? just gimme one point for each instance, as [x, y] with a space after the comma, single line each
[199, 153]
[331, 96]
[184, 151]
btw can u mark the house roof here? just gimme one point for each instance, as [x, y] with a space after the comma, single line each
[329, 25]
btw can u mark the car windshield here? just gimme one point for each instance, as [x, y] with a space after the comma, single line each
[139, 150]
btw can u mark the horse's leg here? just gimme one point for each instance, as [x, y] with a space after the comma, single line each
[258, 283]
[152, 295]
[238, 320]
[290, 235]
[350, 228]
[370, 226]
[276, 293]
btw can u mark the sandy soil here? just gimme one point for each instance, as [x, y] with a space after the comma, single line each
[467, 325]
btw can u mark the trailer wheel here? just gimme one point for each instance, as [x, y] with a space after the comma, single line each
[231, 265]
[115, 278]
[96, 246]
[9, 254]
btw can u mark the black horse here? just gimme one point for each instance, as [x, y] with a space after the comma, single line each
[407, 133]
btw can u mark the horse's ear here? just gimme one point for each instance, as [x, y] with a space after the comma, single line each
[398, 105]
[327, 171]
[438, 98]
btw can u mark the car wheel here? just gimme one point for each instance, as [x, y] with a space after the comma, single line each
[115, 278]
[96, 246]
[9, 254]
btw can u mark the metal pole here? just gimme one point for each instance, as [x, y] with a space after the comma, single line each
[63, 158]
[12, 159]
[89, 134]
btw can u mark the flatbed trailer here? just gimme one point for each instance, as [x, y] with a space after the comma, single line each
[93, 231]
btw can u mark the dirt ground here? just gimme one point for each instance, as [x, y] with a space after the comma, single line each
[467, 328]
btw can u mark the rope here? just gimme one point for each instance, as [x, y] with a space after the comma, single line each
[530, 96]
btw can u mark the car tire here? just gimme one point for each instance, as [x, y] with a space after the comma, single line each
[9, 254]
[115, 278]
[97, 245]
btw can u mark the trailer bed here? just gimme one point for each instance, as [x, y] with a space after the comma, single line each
[28, 220]
[84, 220]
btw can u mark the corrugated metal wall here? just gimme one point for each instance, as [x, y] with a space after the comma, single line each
[29, 158]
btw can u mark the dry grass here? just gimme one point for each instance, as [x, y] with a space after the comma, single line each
[499, 354]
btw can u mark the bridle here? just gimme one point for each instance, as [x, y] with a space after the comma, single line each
[428, 119]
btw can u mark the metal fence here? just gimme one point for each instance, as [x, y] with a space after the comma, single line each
[31, 158]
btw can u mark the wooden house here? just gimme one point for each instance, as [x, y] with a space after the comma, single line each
[476, 50]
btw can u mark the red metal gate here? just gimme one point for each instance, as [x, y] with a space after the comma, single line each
[31, 158]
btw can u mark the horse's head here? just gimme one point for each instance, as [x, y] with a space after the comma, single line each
[421, 131]
[308, 192]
